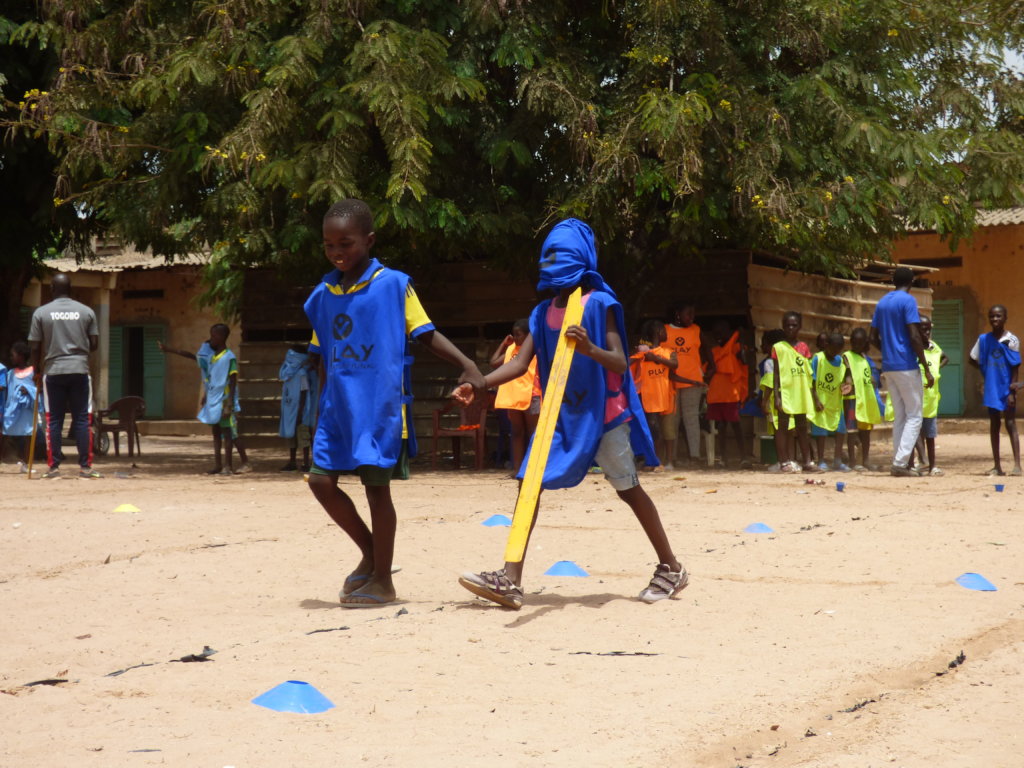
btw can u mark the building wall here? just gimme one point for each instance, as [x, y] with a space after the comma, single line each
[186, 326]
[984, 271]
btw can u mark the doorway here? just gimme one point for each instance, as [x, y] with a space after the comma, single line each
[137, 366]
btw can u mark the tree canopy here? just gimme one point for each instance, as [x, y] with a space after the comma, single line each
[817, 129]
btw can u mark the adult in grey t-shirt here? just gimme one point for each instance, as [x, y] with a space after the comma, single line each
[62, 335]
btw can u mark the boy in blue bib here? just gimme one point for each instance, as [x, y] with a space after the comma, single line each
[217, 408]
[298, 406]
[997, 356]
[363, 315]
[600, 420]
[202, 358]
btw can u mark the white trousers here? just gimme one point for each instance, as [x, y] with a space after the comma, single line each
[907, 392]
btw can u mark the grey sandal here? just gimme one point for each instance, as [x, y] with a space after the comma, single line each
[495, 586]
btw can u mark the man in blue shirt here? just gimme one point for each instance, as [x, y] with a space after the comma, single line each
[896, 331]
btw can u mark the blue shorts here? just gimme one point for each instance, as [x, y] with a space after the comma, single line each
[929, 427]
[817, 431]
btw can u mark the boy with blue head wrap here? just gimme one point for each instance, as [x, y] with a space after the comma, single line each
[600, 420]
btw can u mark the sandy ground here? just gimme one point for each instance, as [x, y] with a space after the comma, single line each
[850, 605]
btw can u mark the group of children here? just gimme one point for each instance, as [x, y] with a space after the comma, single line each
[833, 394]
[219, 403]
[718, 379]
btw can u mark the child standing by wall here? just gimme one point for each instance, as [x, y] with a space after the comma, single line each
[694, 369]
[997, 355]
[218, 406]
[652, 364]
[793, 394]
[363, 315]
[298, 406]
[727, 389]
[936, 359]
[862, 411]
[831, 377]
[202, 358]
[605, 425]
[519, 398]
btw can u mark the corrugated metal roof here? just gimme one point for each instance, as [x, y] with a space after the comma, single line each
[113, 257]
[1000, 217]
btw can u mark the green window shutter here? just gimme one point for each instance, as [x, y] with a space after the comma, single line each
[948, 333]
[154, 369]
[115, 363]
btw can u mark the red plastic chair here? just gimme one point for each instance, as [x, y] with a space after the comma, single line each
[472, 426]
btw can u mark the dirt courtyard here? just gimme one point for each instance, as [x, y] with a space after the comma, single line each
[825, 643]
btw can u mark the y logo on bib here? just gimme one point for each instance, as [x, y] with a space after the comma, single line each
[342, 326]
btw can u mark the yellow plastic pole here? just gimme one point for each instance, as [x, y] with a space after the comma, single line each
[529, 491]
[35, 424]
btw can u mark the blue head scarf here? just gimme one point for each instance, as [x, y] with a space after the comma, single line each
[569, 258]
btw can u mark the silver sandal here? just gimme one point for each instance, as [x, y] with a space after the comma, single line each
[665, 583]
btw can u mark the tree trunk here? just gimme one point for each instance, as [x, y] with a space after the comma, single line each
[13, 279]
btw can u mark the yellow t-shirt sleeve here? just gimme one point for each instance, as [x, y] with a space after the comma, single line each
[314, 342]
[415, 316]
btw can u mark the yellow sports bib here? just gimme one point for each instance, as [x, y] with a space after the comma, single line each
[827, 383]
[794, 380]
[933, 356]
[863, 388]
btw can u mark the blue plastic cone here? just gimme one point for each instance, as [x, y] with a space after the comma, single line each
[975, 581]
[565, 568]
[294, 696]
[498, 520]
[758, 528]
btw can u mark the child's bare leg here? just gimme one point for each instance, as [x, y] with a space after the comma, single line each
[531, 420]
[305, 457]
[819, 443]
[838, 460]
[782, 439]
[217, 465]
[919, 451]
[342, 511]
[865, 446]
[993, 434]
[720, 427]
[647, 515]
[930, 447]
[385, 523]
[293, 444]
[737, 430]
[240, 447]
[518, 421]
[670, 451]
[226, 433]
[802, 437]
[1011, 430]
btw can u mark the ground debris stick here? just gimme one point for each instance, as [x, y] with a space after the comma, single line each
[134, 666]
[613, 653]
[529, 491]
[329, 629]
